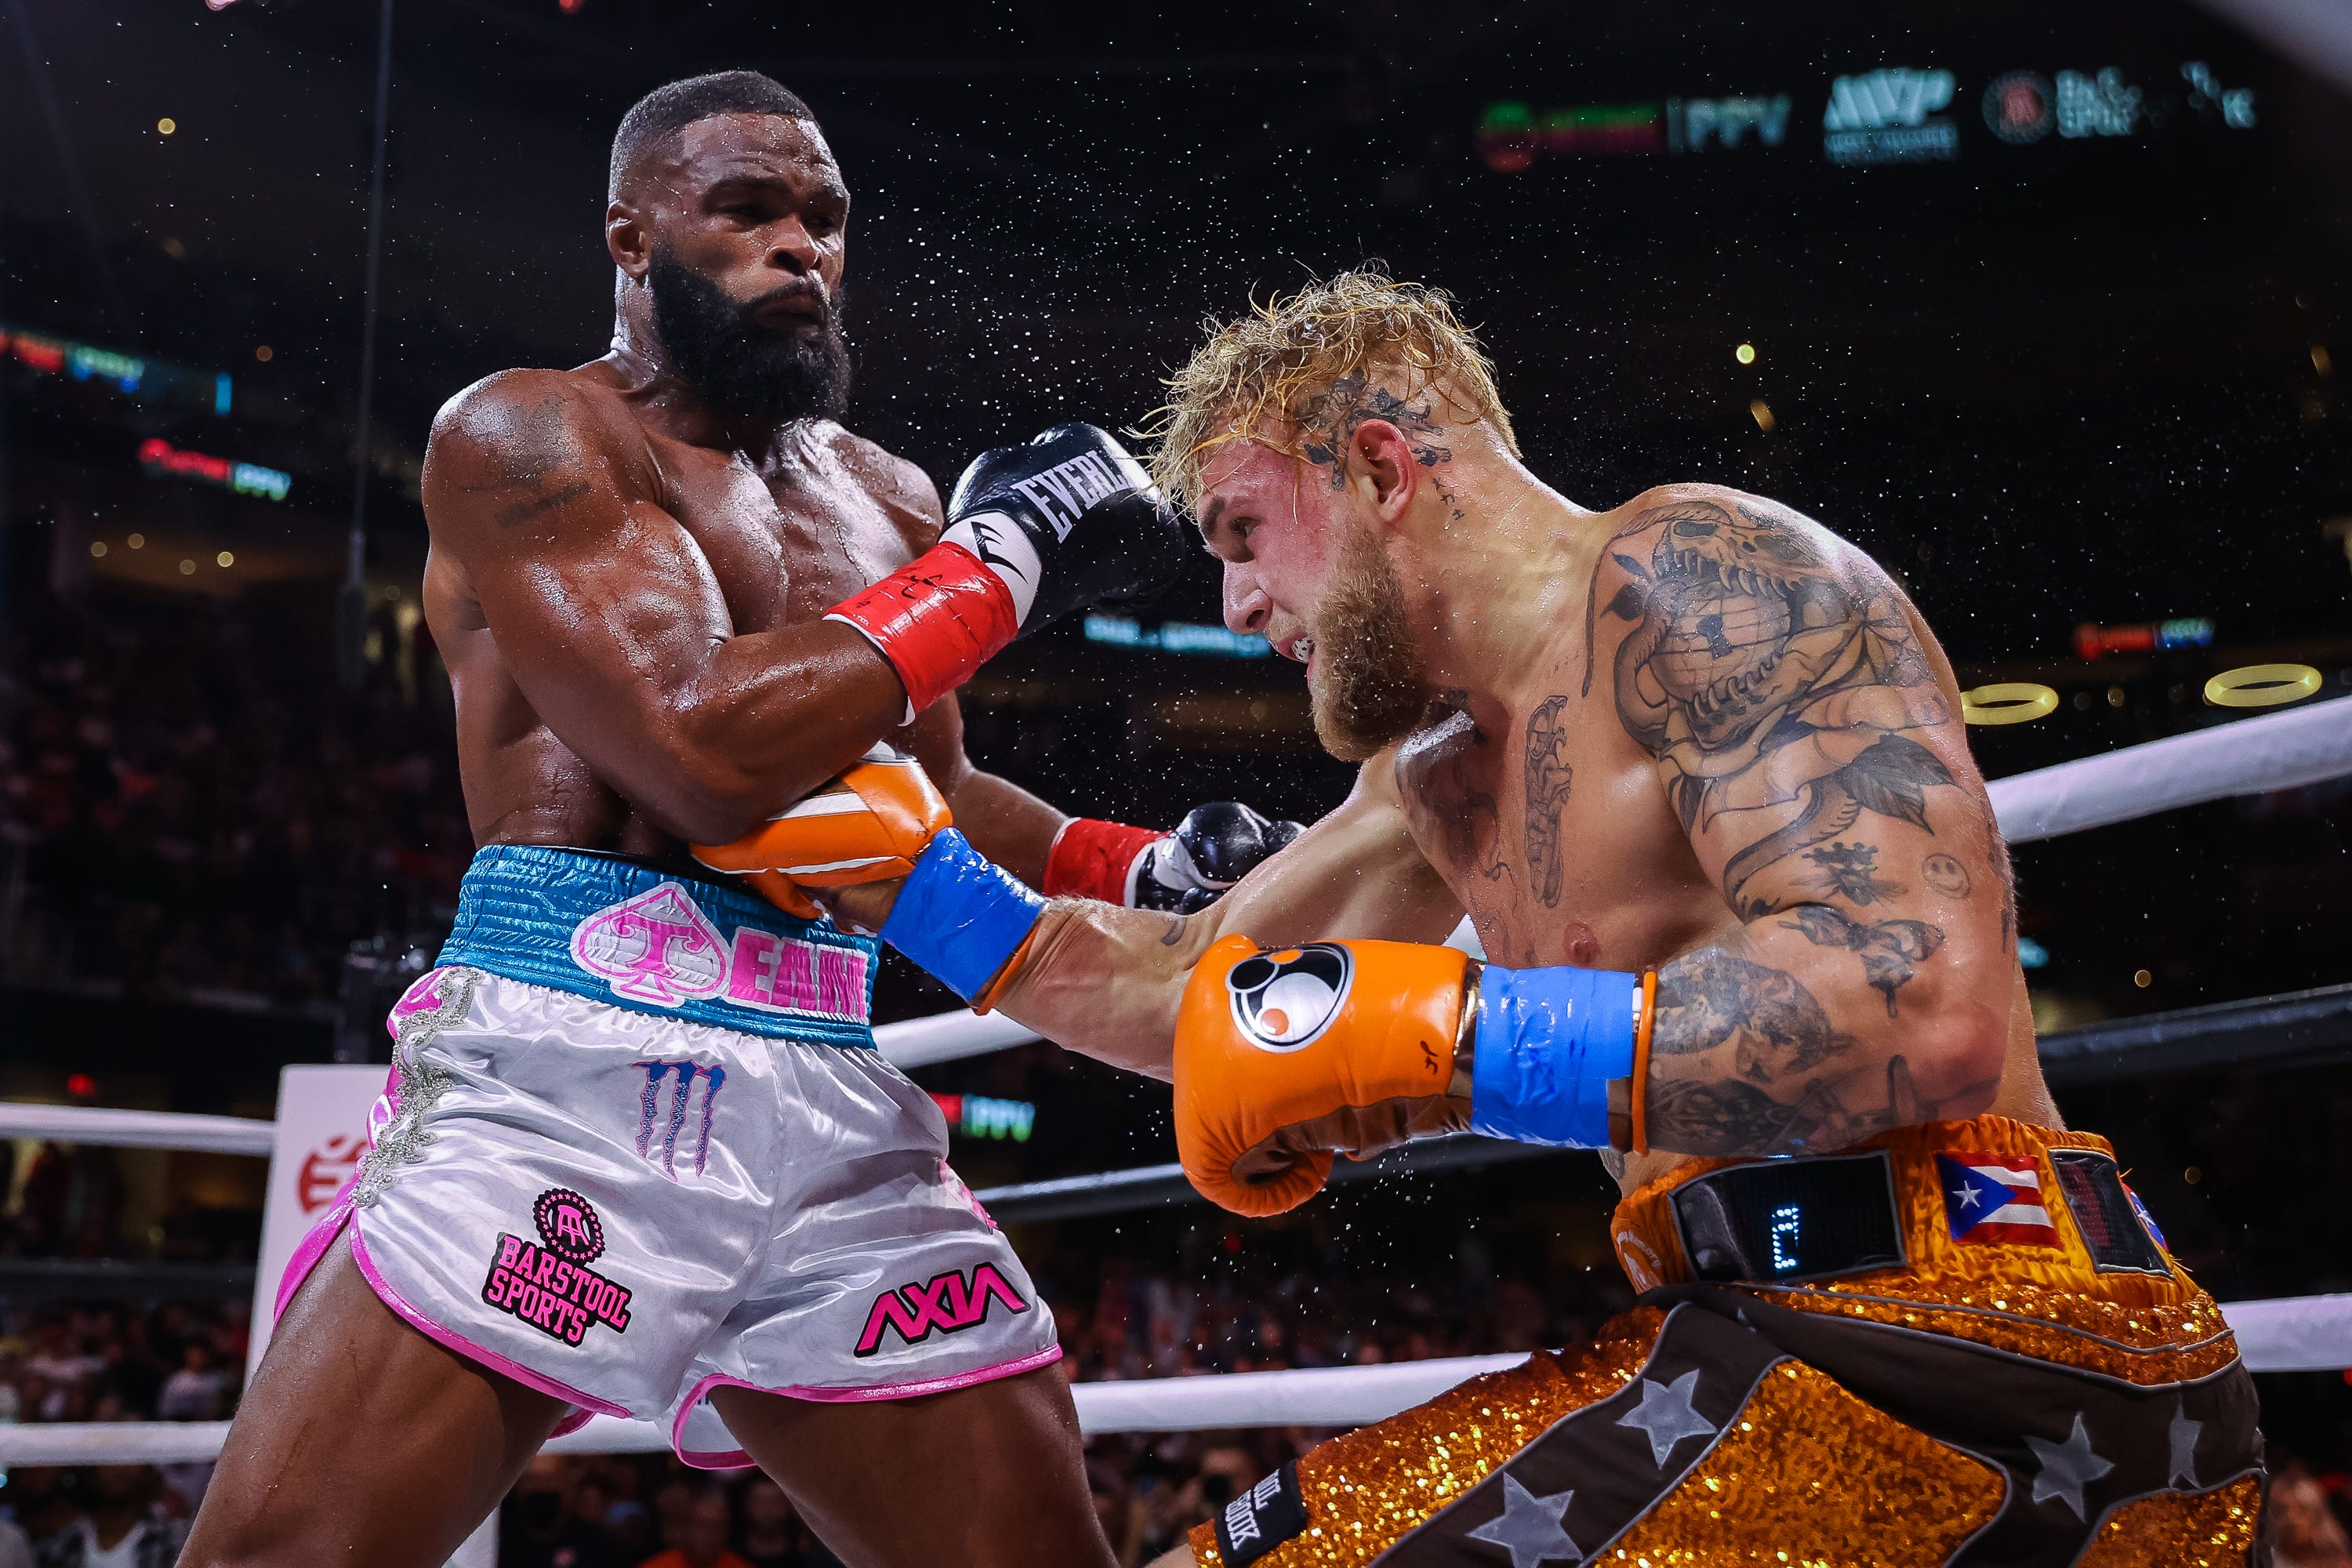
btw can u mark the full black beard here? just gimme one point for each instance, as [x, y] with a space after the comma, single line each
[741, 366]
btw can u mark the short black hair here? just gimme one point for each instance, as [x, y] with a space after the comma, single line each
[677, 105]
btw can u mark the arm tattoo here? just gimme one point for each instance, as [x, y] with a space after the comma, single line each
[1712, 999]
[1888, 950]
[1850, 871]
[1549, 778]
[1332, 415]
[1745, 643]
[1177, 926]
[1744, 1061]
[522, 512]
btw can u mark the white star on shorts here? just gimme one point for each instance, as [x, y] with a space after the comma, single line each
[1529, 1527]
[2067, 1467]
[2183, 1433]
[1665, 1416]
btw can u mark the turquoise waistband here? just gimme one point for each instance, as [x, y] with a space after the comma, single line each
[654, 942]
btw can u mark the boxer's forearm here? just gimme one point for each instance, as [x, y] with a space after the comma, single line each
[1106, 981]
[769, 718]
[1772, 1044]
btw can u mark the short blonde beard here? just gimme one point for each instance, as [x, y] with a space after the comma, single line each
[1368, 690]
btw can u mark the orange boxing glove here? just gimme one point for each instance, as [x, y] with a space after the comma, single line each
[1283, 1056]
[867, 826]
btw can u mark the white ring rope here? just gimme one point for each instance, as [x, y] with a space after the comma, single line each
[2310, 1333]
[2253, 756]
[2278, 751]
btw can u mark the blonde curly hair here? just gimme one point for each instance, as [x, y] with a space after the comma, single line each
[1315, 365]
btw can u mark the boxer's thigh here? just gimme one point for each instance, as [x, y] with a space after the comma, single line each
[991, 1475]
[882, 1279]
[361, 1442]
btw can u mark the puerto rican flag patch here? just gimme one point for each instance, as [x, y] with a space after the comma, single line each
[1995, 1197]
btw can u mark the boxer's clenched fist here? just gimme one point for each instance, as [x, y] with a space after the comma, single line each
[1284, 1056]
[1180, 872]
[1067, 521]
[867, 826]
[1034, 532]
[1214, 847]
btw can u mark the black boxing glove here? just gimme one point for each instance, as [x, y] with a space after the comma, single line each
[1179, 872]
[1068, 521]
[1034, 532]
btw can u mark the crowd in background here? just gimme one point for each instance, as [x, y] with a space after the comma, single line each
[182, 1362]
[183, 810]
[176, 1360]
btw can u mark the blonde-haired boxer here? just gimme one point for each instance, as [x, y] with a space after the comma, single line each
[1695, 769]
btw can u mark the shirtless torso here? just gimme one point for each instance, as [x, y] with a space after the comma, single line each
[580, 524]
[1551, 809]
[1544, 817]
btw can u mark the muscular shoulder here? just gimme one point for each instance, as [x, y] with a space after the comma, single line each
[521, 428]
[1732, 626]
[901, 487]
[1694, 541]
[1700, 517]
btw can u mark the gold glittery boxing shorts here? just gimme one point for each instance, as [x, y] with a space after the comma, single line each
[2025, 1379]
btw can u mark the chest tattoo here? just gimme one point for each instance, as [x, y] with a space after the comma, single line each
[1548, 777]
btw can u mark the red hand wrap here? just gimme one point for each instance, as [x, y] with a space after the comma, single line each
[1091, 859]
[936, 619]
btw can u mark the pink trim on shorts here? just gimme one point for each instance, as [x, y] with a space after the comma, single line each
[312, 1248]
[586, 1404]
[737, 1460]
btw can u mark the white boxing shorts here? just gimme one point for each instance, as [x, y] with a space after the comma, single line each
[636, 1145]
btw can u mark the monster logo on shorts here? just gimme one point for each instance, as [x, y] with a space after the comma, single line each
[547, 1286]
[1282, 1001]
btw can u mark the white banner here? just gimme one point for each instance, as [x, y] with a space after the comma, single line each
[322, 1131]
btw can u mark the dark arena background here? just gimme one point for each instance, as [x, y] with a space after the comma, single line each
[2047, 307]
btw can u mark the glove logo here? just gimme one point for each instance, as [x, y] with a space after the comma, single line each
[1284, 1001]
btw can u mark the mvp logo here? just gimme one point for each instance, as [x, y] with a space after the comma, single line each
[948, 1304]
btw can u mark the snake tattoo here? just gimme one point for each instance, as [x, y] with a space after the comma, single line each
[1763, 677]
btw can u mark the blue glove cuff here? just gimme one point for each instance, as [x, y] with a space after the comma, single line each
[1548, 1042]
[959, 915]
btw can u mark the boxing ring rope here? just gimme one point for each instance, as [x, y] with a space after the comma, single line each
[2310, 1333]
[2277, 751]
[2284, 750]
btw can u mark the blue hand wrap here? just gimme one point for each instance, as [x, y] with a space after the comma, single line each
[1548, 1042]
[960, 914]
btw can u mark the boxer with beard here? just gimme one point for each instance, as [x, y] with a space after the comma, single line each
[637, 1154]
[1695, 768]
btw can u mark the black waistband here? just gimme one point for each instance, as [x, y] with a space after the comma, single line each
[1786, 1221]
